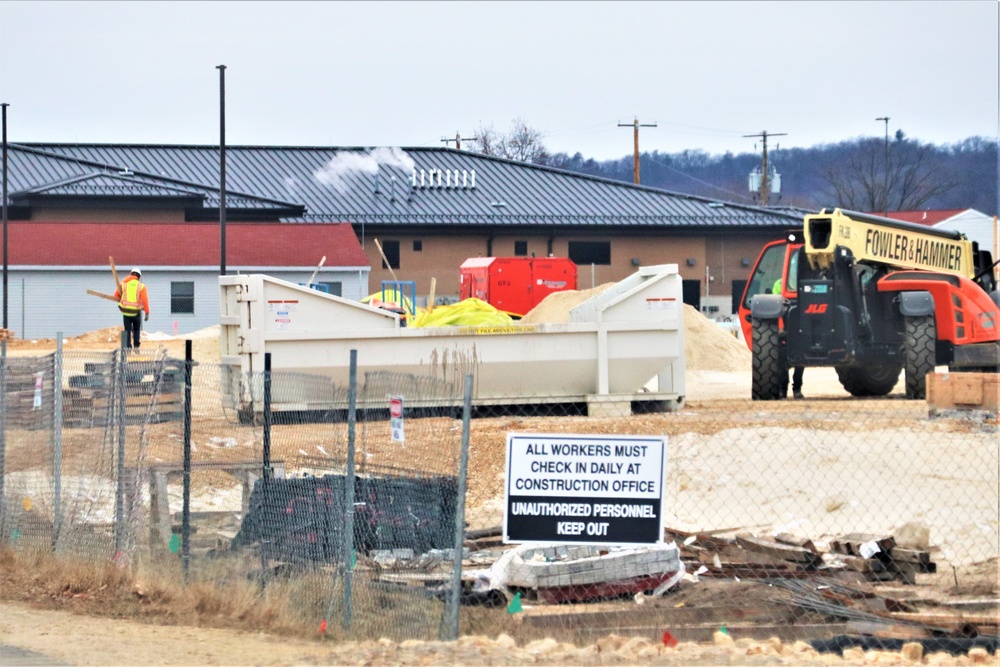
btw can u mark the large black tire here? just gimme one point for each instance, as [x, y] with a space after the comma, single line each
[919, 347]
[868, 380]
[770, 377]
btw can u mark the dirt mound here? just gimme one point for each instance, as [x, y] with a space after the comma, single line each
[707, 346]
[98, 337]
[554, 309]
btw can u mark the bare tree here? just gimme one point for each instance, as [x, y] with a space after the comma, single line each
[521, 142]
[876, 176]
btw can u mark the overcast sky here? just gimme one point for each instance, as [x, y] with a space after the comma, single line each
[411, 73]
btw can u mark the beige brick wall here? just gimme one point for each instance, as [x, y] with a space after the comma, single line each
[442, 255]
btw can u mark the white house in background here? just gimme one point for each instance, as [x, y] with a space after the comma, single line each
[976, 226]
[53, 264]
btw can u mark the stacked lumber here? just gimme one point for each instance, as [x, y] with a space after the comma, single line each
[153, 392]
[879, 558]
[6, 334]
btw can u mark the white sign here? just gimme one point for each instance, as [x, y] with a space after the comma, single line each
[37, 402]
[282, 312]
[396, 418]
[584, 488]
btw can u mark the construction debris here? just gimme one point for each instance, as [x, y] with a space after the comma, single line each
[576, 573]
[880, 559]
[746, 555]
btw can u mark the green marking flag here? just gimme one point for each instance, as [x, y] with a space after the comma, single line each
[515, 605]
[15, 535]
[175, 543]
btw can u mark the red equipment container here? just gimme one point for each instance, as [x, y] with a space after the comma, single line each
[515, 285]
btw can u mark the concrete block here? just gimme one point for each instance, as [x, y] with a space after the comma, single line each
[963, 391]
[609, 405]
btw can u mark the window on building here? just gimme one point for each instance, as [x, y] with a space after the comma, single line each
[182, 297]
[520, 248]
[590, 252]
[418, 246]
[391, 251]
[336, 289]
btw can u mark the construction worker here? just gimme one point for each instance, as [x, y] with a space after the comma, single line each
[132, 302]
[799, 371]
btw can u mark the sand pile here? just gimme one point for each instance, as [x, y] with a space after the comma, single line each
[554, 309]
[707, 346]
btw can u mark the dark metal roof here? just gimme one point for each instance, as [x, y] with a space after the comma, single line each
[109, 185]
[395, 186]
[39, 173]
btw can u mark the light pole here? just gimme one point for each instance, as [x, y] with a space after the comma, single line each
[886, 166]
[4, 204]
[222, 169]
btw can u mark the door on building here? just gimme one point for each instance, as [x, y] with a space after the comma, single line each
[738, 287]
[692, 293]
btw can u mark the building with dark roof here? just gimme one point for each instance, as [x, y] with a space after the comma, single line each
[429, 208]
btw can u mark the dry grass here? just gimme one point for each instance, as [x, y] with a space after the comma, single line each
[227, 593]
[154, 593]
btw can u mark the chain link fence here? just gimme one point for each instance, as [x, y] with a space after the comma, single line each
[340, 507]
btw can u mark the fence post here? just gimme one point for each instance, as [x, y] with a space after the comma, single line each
[57, 423]
[3, 438]
[463, 465]
[266, 472]
[186, 515]
[352, 419]
[120, 473]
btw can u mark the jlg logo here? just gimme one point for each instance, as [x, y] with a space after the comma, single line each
[816, 309]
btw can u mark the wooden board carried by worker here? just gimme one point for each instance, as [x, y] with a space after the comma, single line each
[103, 296]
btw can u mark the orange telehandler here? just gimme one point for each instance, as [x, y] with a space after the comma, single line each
[872, 297]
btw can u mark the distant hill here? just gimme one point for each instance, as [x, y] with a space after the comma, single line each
[967, 169]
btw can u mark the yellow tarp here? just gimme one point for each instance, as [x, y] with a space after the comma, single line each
[468, 313]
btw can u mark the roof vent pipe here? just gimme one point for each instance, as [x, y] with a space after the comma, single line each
[472, 180]
[447, 178]
[392, 192]
[439, 178]
[377, 175]
[465, 178]
[422, 173]
[413, 178]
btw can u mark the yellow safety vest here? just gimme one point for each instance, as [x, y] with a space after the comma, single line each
[129, 302]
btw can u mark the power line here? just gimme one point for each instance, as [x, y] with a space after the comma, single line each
[695, 179]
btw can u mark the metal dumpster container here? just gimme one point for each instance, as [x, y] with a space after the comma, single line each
[615, 346]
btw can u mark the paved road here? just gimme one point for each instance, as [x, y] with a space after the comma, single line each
[11, 656]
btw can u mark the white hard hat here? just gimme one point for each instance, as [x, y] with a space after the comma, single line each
[137, 272]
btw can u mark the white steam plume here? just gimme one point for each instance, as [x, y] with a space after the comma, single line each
[342, 165]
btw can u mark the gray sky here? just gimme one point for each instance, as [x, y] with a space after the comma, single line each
[411, 73]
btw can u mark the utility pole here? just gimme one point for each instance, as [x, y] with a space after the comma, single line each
[765, 186]
[222, 169]
[457, 140]
[885, 207]
[635, 125]
[4, 195]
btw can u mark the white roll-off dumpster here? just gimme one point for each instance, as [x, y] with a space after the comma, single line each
[614, 348]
